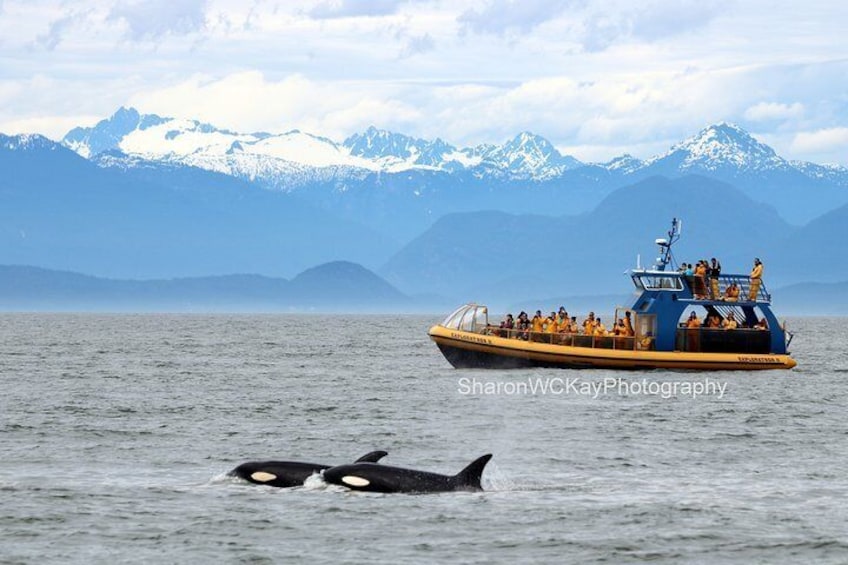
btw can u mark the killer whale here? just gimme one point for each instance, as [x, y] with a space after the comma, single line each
[382, 478]
[285, 474]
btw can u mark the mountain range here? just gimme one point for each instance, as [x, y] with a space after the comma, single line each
[336, 286]
[401, 184]
[139, 196]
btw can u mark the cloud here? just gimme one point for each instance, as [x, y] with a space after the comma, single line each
[331, 9]
[154, 19]
[502, 16]
[59, 28]
[774, 111]
[247, 101]
[828, 140]
[645, 21]
[418, 44]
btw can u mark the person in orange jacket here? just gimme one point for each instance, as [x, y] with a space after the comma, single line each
[756, 279]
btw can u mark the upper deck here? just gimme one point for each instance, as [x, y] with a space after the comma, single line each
[685, 287]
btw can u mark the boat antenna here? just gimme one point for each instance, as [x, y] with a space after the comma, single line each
[666, 258]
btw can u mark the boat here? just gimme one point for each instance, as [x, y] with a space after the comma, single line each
[657, 335]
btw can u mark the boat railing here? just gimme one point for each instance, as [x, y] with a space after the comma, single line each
[716, 290]
[570, 339]
[701, 287]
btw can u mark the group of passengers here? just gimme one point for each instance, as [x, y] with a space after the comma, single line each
[704, 272]
[559, 322]
[699, 275]
[714, 322]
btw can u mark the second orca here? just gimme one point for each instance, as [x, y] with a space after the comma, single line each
[381, 478]
[285, 474]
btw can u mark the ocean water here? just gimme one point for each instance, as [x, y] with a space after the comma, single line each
[116, 433]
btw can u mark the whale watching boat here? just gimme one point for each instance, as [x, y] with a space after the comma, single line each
[657, 336]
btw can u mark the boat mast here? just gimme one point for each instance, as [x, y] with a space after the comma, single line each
[666, 257]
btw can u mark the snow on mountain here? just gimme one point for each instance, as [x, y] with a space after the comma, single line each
[625, 164]
[25, 141]
[529, 154]
[271, 157]
[397, 152]
[721, 146]
[836, 174]
[296, 158]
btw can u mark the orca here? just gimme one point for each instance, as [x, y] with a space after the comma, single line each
[381, 478]
[285, 474]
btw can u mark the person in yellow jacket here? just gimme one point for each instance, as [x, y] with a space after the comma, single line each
[589, 324]
[731, 293]
[700, 290]
[600, 329]
[693, 322]
[551, 323]
[756, 279]
[538, 323]
[730, 322]
[563, 323]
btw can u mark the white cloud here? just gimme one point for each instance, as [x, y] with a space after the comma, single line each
[767, 111]
[520, 16]
[154, 19]
[829, 140]
[588, 75]
[328, 9]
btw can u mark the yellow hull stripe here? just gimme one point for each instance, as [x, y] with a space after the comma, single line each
[611, 358]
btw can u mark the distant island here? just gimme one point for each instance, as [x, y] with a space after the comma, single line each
[338, 287]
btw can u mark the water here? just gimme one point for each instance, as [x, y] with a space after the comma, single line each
[116, 433]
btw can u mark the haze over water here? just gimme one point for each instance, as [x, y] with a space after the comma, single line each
[116, 432]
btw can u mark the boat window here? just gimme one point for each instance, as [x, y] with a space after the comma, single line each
[452, 321]
[481, 317]
[467, 322]
[660, 282]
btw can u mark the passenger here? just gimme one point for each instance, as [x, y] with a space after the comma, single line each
[562, 321]
[628, 324]
[713, 321]
[507, 324]
[762, 324]
[731, 293]
[730, 323]
[693, 338]
[689, 276]
[589, 324]
[538, 322]
[693, 322]
[573, 328]
[562, 311]
[756, 279]
[714, 272]
[700, 290]
[620, 332]
[551, 324]
[523, 326]
[600, 329]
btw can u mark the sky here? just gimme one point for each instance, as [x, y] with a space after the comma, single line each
[596, 78]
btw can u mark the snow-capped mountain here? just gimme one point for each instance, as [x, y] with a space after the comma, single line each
[394, 151]
[291, 158]
[720, 146]
[373, 174]
[527, 154]
[625, 164]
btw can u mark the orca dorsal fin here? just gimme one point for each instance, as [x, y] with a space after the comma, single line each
[372, 457]
[471, 475]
